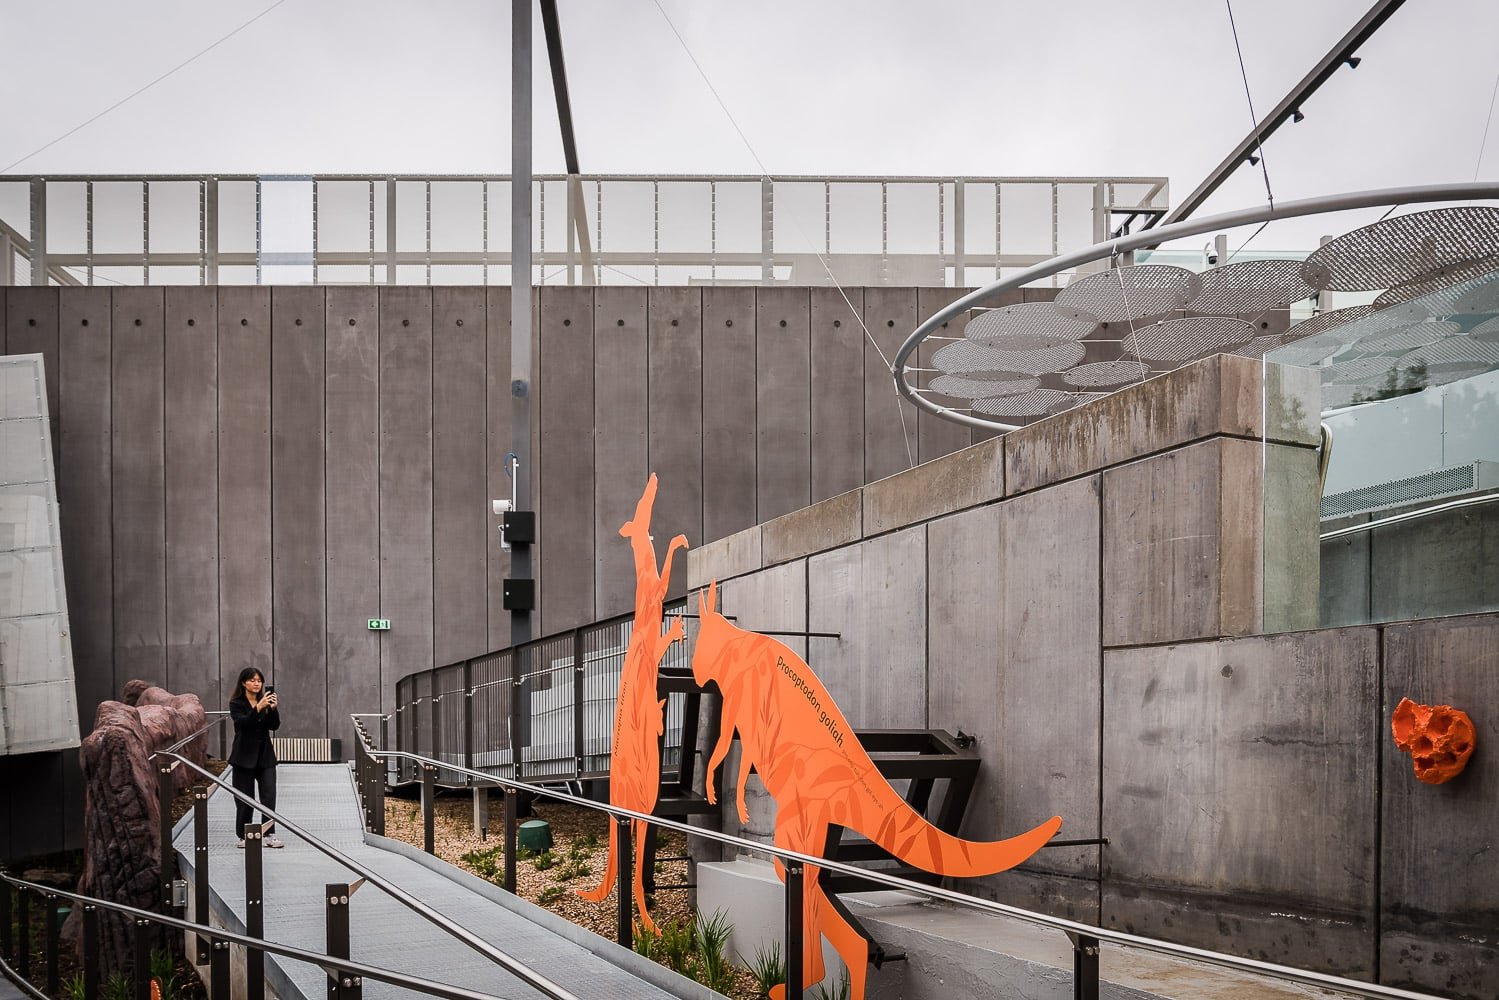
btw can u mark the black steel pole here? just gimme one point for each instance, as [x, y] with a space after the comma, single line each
[794, 944]
[336, 895]
[429, 806]
[255, 909]
[579, 693]
[1084, 967]
[49, 925]
[164, 801]
[23, 933]
[7, 938]
[512, 812]
[219, 968]
[626, 930]
[141, 973]
[90, 951]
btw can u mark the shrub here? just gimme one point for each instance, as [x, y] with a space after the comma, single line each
[768, 968]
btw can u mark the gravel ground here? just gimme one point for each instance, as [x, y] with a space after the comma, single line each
[579, 855]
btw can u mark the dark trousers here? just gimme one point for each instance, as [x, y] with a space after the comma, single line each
[244, 780]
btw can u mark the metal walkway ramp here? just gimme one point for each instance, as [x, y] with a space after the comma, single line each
[321, 799]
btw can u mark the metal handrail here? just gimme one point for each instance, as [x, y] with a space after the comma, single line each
[222, 717]
[1411, 515]
[328, 963]
[516, 968]
[1069, 927]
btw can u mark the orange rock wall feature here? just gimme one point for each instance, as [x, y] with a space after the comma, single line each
[1439, 738]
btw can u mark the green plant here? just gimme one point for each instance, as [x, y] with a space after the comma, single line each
[768, 968]
[589, 842]
[551, 894]
[545, 860]
[485, 863]
[839, 992]
[646, 942]
[575, 869]
[72, 987]
[164, 971]
[712, 938]
[116, 987]
[677, 944]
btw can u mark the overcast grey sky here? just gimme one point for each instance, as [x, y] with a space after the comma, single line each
[1148, 87]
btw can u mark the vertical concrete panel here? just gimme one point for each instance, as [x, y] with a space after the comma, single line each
[351, 419]
[298, 512]
[1442, 565]
[191, 435]
[1292, 524]
[84, 492]
[874, 594]
[1161, 557]
[1343, 584]
[836, 360]
[139, 487]
[244, 482]
[1439, 872]
[729, 476]
[31, 319]
[783, 433]
[460, 487]
[1239, 787]
[621, 442]
[565, 507]
[937, 437]
[1051, 688]
[890, 424]
[405, 482]
[497, 424]
[675, 423]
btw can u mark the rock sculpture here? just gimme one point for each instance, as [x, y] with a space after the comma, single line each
[1440, 739]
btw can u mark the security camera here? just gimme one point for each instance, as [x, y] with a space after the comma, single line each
[1210, 254]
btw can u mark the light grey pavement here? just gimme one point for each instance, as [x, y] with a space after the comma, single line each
[321, 799]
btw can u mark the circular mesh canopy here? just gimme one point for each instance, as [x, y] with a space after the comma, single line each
[1251, 286]
[1438, 296]
[1029, 326]
[1406, 248]
[1101, 373]
[979, 361]
[1481, 296]
[1323, 322]
[1258, 347]
[1413, 336]
[1127, 293]
[1036, 403]
[1078, 399]
[1454, 354]
[1181, 340]
[1360, 370]
[971, 388]
[1486, 332]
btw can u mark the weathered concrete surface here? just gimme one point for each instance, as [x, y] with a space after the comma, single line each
[1240, 796]
[1446, 564]
[1439, 877]
[833, 522]
[727, 557]
[1343, 579]
[963, 479]
[1050, 677]
[1218, 395]
[874, 595]
[1292, 523]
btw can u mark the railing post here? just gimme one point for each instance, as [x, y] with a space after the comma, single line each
[626, 930]
[519, 659]
[794, 943]
[342, 985]
[164, 800]
[429, 792]
[7, 936]
[254, 910]
[49, 923]
[512, 814]
[39, 232]
[200, 869]
[141, 974]
[578, 695]
[218, 974]
[468, 718]
[377, 782]
[23, 933]
[1084, 966]
[436, 753]
[90, 951]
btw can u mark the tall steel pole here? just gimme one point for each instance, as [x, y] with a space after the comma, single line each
[520, 291]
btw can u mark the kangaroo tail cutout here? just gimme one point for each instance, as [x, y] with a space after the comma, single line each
[907, 835]
[611, 869]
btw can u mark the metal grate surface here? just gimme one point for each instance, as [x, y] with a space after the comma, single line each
[1036, 403]
[1486, 332]
[972, 388]
[1133, 292]
[1407, 248]
[1258, 347]
[1360, 371]
[1028, 327]
[1101, 373]
[1481, 296]
[1181, 340]
[1398, 492]
[1438, 296]
[1251, 286]
[1322, 322]
[1455, 354]
[978, 361]
[1078, 399]
[1414, 336]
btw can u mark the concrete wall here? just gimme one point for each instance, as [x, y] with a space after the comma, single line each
[1105, 600]
[248, 474]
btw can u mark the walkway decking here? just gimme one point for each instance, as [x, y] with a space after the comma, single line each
[386, 934]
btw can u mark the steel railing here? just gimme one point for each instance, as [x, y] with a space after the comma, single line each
[1086, 939]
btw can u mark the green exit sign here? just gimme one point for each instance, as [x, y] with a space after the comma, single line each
[379, 624]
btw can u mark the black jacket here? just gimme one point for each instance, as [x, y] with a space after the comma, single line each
[252, 735]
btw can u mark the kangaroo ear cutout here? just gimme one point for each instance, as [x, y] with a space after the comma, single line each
[712, 594]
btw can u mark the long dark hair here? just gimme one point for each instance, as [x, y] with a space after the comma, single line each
[239, 685]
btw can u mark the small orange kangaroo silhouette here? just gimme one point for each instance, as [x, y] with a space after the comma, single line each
[806, 754]
[635, 761]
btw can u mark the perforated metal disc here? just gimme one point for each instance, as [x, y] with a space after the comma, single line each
[1323, 322]
[1305, 354]
[1101, 373]
[1078, 399]
[1486, 332]
[1414, 336]
[1479, 297]
[1029, 326]
[1251, 286]
[1359, 371]
[1455, 353]
[1036, 403]
[972, 388]
[1258, 347]
[979, 361]
[1437, 296]
[1127, 293]
[1406, 248]
[1181, 340]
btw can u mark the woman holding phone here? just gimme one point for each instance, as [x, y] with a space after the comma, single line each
[253, 709]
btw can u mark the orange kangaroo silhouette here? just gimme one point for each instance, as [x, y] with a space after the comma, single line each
[635, 760]
[806, 754]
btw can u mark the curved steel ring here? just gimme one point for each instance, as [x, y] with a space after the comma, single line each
[1153, 237]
